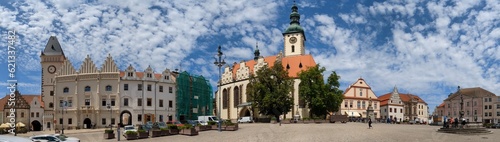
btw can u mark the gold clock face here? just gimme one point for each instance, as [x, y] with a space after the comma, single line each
[293, 40]
[51, 69]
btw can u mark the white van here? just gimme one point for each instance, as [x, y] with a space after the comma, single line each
[245, 119]
[208, 118]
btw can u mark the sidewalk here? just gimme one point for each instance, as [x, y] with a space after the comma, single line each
[66, 132]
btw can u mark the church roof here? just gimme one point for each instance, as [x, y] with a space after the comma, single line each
[53, 47]
[295, 63]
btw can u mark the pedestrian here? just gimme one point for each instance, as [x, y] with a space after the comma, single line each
[370, 123]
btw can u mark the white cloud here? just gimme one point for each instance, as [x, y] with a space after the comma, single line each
[423, 47]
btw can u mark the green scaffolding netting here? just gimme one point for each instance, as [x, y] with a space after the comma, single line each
[194, 97]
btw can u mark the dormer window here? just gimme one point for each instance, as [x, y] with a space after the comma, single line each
[108, 88]
[167, 77]
[130, 74]
[87, 88]
[65, 90]
[149, 75]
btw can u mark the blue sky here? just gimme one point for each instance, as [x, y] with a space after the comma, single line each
[427, 48]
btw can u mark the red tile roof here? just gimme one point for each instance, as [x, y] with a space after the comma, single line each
[292, 61]
[28, 99]
[404, 97]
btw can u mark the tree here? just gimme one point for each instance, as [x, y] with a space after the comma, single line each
[322, 98]
[270, 91]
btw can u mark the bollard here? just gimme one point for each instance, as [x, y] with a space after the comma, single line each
[118, 133]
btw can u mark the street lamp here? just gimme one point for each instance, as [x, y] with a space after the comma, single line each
[110, 115]
[220, 62]
[62, 112]
[461, 113]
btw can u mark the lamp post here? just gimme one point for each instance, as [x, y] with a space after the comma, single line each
[220, 62]
[110, 116]
[461, 113]
[62, 111]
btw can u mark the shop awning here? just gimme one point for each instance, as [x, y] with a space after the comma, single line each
[352, 114]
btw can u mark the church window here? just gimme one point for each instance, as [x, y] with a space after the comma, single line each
[65, 90]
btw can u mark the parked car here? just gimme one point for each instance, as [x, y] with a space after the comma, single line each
[192, 122]
[245, 119]
[129, 128]
[162, 124]
[55, 138]
[10, 138]
[496, 126]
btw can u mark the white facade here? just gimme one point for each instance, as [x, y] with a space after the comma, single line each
[391, 107]
[357, 98]
[80, 99]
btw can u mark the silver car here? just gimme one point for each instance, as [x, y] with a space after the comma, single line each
[55, 137]
[9, 138]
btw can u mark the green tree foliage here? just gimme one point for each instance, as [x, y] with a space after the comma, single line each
[319, 96]
[270, 91]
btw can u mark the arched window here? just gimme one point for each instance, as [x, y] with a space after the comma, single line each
[225, 99]
[293, 48]
[108, 88]
[87, 88]
[65, 90]
[236, 96]
[22, 114]
[51, 105]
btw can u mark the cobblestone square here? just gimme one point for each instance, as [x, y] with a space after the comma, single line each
[350, 132]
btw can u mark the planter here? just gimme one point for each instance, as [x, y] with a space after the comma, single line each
[130, 136]
[164, 132]
[189, 132]
[109, 135]
[231, 128]
[214, 127]
[200, 128]
[174, 131]
[155, 133]
[143, 135]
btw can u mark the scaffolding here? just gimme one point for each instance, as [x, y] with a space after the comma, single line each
[194, 97]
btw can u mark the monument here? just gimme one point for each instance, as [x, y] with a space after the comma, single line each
[464, 128]
[369, 111]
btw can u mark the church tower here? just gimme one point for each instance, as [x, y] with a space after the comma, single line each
[294, 38]
[51, 60]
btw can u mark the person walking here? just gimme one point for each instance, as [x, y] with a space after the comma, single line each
[370, 124]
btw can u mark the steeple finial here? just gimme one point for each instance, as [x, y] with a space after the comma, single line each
[256, 53]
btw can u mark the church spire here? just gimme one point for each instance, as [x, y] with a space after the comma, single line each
[256, 53]
[294, 21]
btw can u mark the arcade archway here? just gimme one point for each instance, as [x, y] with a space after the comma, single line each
[125, 118]
[36, 125]
[87, 123]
